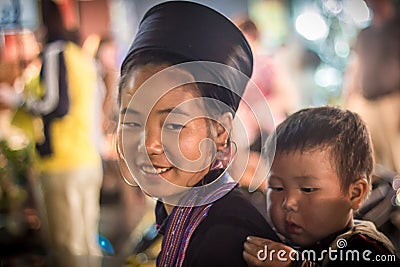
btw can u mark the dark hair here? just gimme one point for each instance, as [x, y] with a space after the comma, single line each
[160, 31]
[340, 131]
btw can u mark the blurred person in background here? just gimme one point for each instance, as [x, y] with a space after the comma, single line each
[274, 87]
[128, 204]
[271, 79]
[107, 60]
[372, 81]
[104, 51]
[68, 162]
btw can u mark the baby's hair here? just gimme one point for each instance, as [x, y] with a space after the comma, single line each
[341, 132]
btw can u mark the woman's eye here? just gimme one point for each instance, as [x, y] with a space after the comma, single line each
[308, 189]
[132, 124]
[173, 126]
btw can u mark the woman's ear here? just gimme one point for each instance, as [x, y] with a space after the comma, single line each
[358, 191]
[224, 126]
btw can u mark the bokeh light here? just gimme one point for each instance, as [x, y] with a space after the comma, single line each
[311, 26]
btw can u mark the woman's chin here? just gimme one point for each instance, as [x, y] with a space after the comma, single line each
[162, 189]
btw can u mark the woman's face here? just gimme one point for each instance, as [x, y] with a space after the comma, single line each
[164, 136]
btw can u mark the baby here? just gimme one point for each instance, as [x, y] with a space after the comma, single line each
[320, 175]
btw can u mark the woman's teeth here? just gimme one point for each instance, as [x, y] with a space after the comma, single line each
[153, 170]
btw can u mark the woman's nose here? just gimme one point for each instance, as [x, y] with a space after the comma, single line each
[152, 142]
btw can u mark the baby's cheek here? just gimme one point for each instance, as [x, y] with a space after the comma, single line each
[276, 214]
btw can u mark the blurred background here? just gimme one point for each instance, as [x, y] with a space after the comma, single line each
[303, 52]
[312, 38]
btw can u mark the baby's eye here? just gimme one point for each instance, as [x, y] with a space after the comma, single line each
[174, 126]
[308, 189]
[276, 188]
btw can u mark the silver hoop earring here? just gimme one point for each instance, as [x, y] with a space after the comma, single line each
[121, 157]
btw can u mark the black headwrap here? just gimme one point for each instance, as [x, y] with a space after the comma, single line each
[197, 33]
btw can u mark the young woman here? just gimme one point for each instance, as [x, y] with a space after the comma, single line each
[181, 83]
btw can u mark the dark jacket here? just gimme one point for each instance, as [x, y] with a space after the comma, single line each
[219, 238]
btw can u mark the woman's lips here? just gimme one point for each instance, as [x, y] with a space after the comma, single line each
[153, 170]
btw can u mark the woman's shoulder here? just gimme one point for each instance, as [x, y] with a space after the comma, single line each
[218, 240]
[234, 199]
[235, 204]
[234, 210]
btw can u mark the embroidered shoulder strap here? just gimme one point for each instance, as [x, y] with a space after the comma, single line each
[181, 225]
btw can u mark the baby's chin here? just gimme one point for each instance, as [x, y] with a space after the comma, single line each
[295, 241]
[300, 242]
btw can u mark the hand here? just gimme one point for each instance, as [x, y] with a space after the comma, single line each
[264, 252]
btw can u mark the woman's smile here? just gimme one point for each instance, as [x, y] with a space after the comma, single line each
[149, 169]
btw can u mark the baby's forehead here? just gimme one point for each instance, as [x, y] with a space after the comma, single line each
[324, 149]
[312, 156]
[301, 149]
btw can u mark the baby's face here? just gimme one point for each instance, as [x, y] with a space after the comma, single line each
[304, 198]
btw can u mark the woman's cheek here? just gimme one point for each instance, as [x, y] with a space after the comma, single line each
[189, 143]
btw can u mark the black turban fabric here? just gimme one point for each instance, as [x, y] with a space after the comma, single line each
[197, 33]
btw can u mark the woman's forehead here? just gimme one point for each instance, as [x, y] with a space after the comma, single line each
[182, 97]
[145, 92]
[158, 79]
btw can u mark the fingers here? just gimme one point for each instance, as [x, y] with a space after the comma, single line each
[252, 260]
[264, 252]
[252, 248]
[258, 241]
[254, 253]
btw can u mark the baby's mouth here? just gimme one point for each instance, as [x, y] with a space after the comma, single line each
[292, 228]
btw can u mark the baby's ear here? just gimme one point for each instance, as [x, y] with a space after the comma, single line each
[358, 190]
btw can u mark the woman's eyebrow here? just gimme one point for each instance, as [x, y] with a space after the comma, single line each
[130, 111]
[174, 111]
[162, 111]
